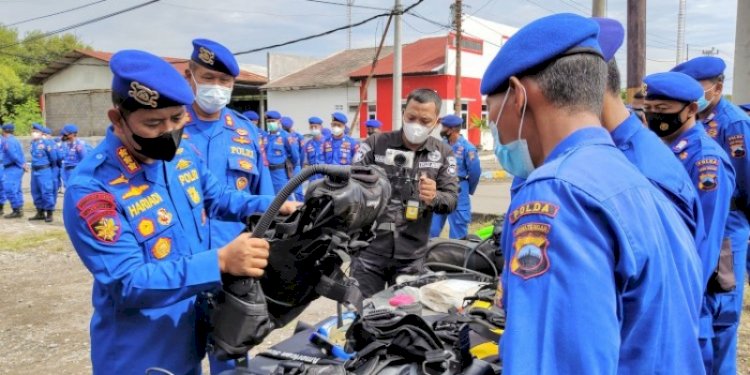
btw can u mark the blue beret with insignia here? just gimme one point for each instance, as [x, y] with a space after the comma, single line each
[214, 56]
[672, 86]
[537, 44]
[451, 121]
[374, 123]
[72, 129]
[703, 67]
[340, 117]
[273, 115]
[147, 81]
[287, 122]
[37, 126]
[315, 120]
[9, 127]
[251, 115]
[745, 107]
[611, 36]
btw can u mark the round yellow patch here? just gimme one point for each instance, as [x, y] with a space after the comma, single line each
[241, 183]
[146, 227]
[161, 248]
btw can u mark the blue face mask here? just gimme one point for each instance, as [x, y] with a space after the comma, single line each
[703, 103]
[514, 157]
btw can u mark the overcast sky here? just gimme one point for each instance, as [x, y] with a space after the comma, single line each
[167, 27]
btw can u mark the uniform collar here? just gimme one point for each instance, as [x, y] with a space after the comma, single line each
[626, 130]
[129, 165]
[214, 127]
[680, 142]
[594, 135]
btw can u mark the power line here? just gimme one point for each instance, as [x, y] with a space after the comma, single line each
[420, 31]
[56, 13]
[224, 10]
[328, 32]
[84, 23]
[346, 5]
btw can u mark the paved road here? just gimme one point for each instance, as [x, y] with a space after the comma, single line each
[491, 197]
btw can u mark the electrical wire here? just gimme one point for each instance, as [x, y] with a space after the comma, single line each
[328, 32]
[348, 5]
[56, 13]
[84, 23]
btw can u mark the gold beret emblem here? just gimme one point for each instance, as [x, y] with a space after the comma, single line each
[143, 94]
[206, 56]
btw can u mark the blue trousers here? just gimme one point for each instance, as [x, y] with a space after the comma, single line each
[2, 187]
[55, 185]
[726, 308]
[279, 179]
[42, 189]
[12, 186]
[459, 219]
[65, 174]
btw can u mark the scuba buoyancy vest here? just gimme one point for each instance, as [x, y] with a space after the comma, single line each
[305, 256]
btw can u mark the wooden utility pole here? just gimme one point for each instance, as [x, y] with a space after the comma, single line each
[636, 46]
[457, 12]
[599, 8]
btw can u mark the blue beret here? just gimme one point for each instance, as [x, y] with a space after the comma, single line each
[70, 129]
[375, 123]
[37, 126]
[9, 127]
[451, 121]
[273, 115]
[214, 56]
[47, 131]
[611, 36]
[315, 120]
[745, 107]
[537, 44]
[703, 67]
[340, 117]
[672, 86]
[251, 115]
[287, 122]
[147, 81]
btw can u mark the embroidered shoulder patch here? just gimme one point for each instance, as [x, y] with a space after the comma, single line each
[534, 208]
[736, 145]
[708, 168]
[127, 160]
[99, 212]
[530, 250]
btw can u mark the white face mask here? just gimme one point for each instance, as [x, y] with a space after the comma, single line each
[416, 133]
[337, 130]
[36, 135]
[211, 98]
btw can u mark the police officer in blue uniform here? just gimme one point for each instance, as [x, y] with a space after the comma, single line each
[340, 148]
[730, 127]
[313, 149]
[43, 157]
[745, 107]
[283, 157]
[136, 211]
[254, 120]
[296, 140]
[586, 228]
[2, 175]
[670, 109]
[469, 171]
[14, 164]
[73, 151]
[373, 126]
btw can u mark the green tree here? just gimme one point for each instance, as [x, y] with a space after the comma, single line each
[19, 62]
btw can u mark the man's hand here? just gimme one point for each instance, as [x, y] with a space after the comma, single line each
[244, 256]
[288, 207]
[26, 168]
[427, 189]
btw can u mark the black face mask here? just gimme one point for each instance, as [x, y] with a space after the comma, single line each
[370, 132]
[162, 147]
[665, 124]
[445, 134]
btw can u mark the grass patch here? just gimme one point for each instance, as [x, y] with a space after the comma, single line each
[53, 239]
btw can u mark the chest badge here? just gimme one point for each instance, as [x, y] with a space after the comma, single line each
[162, 247]
[434, 156]
[241, 183]
[163, 216]
[146, 227]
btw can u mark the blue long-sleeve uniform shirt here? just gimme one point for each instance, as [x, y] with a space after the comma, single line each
[230, 148]
[601, 274]
[714, 178]
[138, 228]
[42, 153]
[467, 160]
[296, 140]
[73, 152]
[13, 152]
[340, 151]
[278, 149]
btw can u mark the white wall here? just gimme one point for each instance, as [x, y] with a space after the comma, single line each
[80, 77]
[301, 104]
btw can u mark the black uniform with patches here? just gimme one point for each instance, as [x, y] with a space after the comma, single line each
[394, 251]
